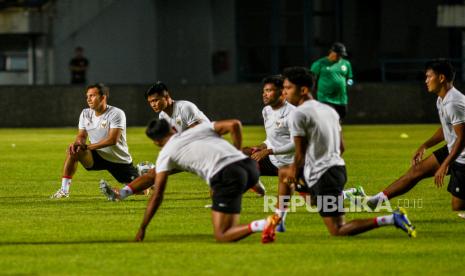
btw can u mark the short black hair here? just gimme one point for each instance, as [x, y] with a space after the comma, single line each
[299, 76]
[157, 129]
[442, 66]
[277, 80]
[158, 88]
[102, 89]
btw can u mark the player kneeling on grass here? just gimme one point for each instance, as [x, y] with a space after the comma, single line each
[226, 169]
[318, 141]
[105, 126]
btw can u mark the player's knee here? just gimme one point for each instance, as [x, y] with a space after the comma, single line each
[220, 237]
[458, 206]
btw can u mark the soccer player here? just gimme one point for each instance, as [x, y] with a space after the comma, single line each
[105, 126]
[181, 115]
[276, 153]
[449, 159]
[224, 167]
[316, 131]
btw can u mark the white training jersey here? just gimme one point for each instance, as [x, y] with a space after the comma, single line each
[452, 112]
[199, 150]
[319, 124]
[278, 136]
[184, 115]
[98, 128]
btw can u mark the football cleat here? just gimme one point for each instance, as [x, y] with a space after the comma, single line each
[401, 221]
[269, 232]
[259, 189]
[107, 191]
[359, 191]
[60, 194]
[461, 215]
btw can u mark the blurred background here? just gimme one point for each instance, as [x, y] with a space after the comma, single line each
[215, 52]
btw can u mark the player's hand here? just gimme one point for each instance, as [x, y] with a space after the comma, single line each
[291, 178]
[72, 149]
[440, 175]
[259, 155]
[140, 235]
[418, 156]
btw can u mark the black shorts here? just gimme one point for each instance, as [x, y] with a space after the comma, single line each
[441, 154]
[340, 109]
[457, 173]
[328, 191]
[123, 173]
[230, 183]
[267, 168]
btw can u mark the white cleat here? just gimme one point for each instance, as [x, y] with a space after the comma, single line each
[60, 194]
[107, 190]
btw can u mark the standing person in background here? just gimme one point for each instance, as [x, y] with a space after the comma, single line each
[78, 67]
[333, 74]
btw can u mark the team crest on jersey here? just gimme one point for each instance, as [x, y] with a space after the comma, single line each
[344, 68]
[279, 123]
[103, 124]
[178, 121]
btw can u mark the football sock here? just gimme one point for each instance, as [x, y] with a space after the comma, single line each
[257, 225]
[381, 196]
[385, 220]
[282, 213]
[125, 192]
[65, 183]
[348, 191]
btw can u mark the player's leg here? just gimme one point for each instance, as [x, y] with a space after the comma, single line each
[458, 204]
[125, 174]
[426, 168]
[227, 187]
[136, 186]
[337, 227]
[284, 194]
[69, 169]
[266, 168]
[456, 186]
[226, 227]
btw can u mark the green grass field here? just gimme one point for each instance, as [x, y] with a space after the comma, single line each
[86, 234]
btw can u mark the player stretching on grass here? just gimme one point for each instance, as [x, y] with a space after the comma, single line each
[450, 159]
[181, 115]
[316, 131]
[227, 170]
[276, 153]
[105, 126]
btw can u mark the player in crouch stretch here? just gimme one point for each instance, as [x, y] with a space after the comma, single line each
[449, 159]
[227, 171]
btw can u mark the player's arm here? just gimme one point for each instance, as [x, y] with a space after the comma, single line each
[301, 144]
[458, 147]
[437, 137]
[284, 149]
[155, 201]
[234, 127]
[113, 136]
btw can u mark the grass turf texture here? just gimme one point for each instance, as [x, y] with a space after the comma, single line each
[85, 234]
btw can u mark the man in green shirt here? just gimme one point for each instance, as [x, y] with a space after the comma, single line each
[333, 74]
